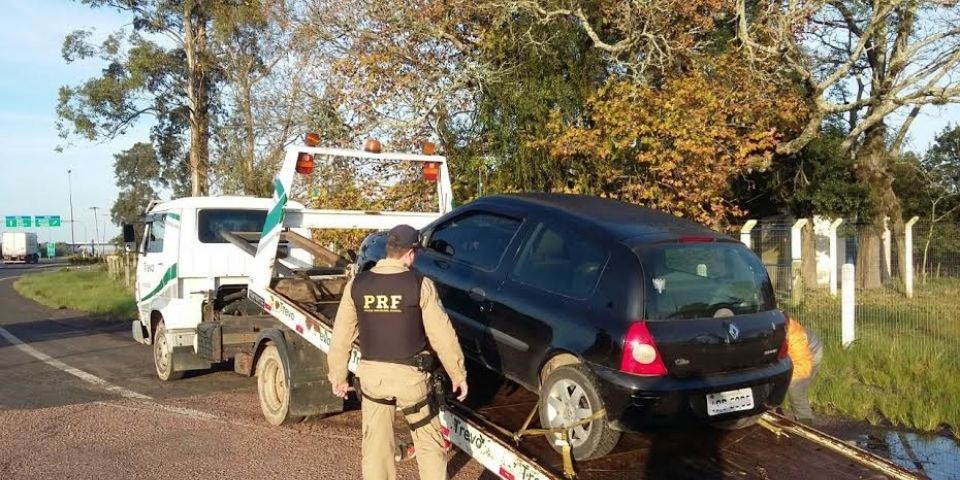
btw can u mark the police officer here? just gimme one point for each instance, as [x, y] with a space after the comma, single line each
[398, 317]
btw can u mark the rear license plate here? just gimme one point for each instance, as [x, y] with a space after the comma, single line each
[729, 401]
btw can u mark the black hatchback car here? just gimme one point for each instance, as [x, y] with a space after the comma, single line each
[598, 304]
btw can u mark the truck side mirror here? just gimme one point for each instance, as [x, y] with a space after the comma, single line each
[129, 235]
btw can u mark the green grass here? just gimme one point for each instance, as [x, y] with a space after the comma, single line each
[90, 290]
[903, 369]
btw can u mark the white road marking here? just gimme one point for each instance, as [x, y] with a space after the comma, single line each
[86, 377]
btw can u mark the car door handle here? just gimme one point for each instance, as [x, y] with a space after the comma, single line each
[441, 264]
[478, 294]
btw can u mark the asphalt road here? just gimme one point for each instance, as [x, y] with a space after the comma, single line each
[79, 399]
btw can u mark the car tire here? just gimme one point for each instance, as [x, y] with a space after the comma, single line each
[163, 356]
[570, 393]
[738, 423]
[273, 388]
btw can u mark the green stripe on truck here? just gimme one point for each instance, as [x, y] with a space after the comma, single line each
[168, 276]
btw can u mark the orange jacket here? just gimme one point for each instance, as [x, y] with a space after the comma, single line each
[798, 349]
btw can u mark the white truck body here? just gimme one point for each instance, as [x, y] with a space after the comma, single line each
[183, 262]
[20, 247]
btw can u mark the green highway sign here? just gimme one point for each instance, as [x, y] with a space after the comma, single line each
[51, 250]
[15, 221]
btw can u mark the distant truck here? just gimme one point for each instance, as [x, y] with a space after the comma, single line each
[20, 247]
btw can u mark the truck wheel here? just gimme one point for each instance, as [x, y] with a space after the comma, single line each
[272, 387]
[163, 355]
[569, 394]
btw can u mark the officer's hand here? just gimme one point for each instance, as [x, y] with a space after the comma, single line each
[341, 389]
[461, 389]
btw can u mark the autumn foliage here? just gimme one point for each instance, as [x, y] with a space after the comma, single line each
[676, 147]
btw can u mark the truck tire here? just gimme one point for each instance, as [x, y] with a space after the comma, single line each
[272, 387]
[163, 355]
[570, 393]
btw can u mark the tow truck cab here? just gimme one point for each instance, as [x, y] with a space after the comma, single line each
[187, 268]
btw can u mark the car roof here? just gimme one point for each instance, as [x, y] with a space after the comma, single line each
[620, 220]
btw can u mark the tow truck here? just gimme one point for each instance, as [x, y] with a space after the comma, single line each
[275, 321]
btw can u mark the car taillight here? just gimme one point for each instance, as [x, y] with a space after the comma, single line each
[783, 349]
[640, 355]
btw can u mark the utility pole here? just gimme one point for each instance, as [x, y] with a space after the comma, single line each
[73, 241]
[96, 225]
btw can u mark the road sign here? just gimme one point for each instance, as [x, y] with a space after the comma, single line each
[51, 250]
[26, 221]
[54, 220]
[11, 222]
[40, 220]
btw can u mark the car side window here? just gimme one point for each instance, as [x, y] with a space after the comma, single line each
[561, 261]
[155, 236]
[477, 238]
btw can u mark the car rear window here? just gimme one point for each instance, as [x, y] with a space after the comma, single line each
[211, 222]
[698, 280]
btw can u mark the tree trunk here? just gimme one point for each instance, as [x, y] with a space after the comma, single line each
[249, 146]
[808, 250]
[872, 170]
[198, 96]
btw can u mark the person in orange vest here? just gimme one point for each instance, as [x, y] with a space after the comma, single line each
[805, 351]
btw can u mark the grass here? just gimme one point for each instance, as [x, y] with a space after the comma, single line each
[904, 367]
[90, 290]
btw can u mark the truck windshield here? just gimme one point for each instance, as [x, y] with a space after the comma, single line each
[211, 222]
[698, 280]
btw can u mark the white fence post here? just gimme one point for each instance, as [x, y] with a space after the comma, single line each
[834, 274]
[745, 233]
[908, 255]
[848, 305]
[796, 264]
[886, 246]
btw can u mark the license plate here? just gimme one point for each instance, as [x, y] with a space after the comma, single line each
[729, 401]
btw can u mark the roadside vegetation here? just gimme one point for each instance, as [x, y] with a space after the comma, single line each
[89, 290]
[902, 369]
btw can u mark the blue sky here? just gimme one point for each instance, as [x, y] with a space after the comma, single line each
[33, 177]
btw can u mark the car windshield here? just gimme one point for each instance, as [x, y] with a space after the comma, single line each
[699, 280]
[211, 222]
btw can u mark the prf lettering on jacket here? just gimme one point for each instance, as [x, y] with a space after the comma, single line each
[382, 303]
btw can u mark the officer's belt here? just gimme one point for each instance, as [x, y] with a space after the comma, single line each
[411, 410]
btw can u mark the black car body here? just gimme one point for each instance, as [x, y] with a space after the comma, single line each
[660, 311]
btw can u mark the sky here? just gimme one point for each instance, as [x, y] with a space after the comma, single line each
[33, 177]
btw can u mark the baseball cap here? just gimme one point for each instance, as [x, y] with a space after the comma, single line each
[403, 236]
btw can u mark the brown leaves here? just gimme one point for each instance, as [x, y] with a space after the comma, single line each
[677, 147]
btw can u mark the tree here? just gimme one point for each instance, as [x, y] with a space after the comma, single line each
[677, 147]
[930, 188]
[176, 85]
[141, 176]
[896, 55]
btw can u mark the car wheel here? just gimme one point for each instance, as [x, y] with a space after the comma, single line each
[273, 389]
[738, 423]
[570, 394]
[163, 355]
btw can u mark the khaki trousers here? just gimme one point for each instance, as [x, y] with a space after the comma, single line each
[408, 386]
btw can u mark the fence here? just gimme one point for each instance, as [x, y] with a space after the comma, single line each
[122, 267]
[883, 310]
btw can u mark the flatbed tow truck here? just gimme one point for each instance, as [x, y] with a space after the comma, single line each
[494, 425]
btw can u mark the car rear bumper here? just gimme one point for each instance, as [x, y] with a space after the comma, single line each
[635, 402]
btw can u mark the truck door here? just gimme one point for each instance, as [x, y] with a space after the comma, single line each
[157, 266]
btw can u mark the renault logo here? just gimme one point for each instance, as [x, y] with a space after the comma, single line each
[733, 331]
